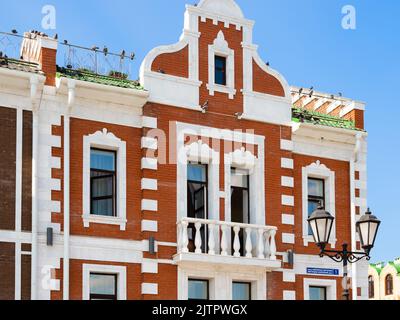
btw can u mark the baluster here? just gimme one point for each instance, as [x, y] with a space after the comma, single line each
[249, 246]
[179, 240]
[273, 245]
[267, 245]
[185, 240]
[211, 240]
[260, 243]
[224, 241]
[198, 240]
[236, 242]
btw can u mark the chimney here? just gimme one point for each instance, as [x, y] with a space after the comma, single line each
[37, 47]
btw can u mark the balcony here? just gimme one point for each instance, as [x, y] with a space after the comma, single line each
[226, 243]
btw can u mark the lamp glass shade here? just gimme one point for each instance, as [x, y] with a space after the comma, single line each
[321, 223]
[367, 228]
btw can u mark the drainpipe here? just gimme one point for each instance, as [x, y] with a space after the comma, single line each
[354, 159]
[71, 100]
[35, 160]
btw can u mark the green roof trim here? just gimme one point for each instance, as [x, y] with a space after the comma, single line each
[395, 265]
[308, 116]
[85, 75]
[378, 266]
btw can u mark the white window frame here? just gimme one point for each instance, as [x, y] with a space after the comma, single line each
[242, 159]
[330, 285]
[220, 281]
[120, 271]
[199, 152]
[319, 171]
[106, 141]
[221, 48]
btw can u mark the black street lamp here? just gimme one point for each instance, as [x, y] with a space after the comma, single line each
[321, 223]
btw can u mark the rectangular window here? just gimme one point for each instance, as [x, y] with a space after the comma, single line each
[220, 70]
[241, 291]
[103, 286]
[318, 293]
[240, 203]
[316, 196]
[103, 182]
[197, 201]
[198, 289]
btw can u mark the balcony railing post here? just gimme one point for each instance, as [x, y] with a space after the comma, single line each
[249, 246]
[211, 240]
[236, 241]
[198, 240]
[185, 239]
[267, 249]
[273, 245]
[260, 248]
[224, 241]
[179, 240]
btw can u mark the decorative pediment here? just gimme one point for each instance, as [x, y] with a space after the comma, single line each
[104, 135]
[242, 158]
[318, 166]
[200, 152]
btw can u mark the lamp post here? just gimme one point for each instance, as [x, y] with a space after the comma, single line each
[321, 223]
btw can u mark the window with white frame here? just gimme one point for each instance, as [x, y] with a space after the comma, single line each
[104, 179]
[221, 67]
[103, 282]
[241, 291]
[319, 289]
[318, 187]
[198, 289]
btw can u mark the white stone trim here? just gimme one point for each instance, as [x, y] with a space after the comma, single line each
[287, 163]
[287, 182]
[287, 145]
[149, 122]
[149, 143]
[289, 276]
[149, 205]
[320, 171]
[220, 47]
[149, 164]
[150, 288]
[121, 278]
[329, 284]
[149, 225]
[289, 295]
[149, 184]
[105, 140]
[288, 201]
[288, 238]
[288, 219]
[149, 266]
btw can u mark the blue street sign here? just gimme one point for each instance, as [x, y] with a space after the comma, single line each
[321, 271]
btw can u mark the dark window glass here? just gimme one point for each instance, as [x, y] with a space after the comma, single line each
[102, 182]
[389, 285]
[316, 196]
[241, 291]
[371, 287]
[198, 290]
[220, 70]
[317, 293]
[197, 202]
[103, 286]
[240, 203]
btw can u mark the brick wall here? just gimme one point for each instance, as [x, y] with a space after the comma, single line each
[7, 271]
[8, 119]
[175, 64]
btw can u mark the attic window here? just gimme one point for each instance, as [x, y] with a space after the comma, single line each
[220, 70]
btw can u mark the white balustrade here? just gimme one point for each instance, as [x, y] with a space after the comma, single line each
[215, 238]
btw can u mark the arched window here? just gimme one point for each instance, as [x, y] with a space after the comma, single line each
[389, 285]
[371, 288]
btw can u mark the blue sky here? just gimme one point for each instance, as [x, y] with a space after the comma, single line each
[302, 39]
